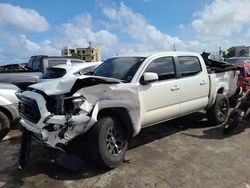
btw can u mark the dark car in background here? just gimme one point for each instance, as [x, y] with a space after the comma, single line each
[238, 60]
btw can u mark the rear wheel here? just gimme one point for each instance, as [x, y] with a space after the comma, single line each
[217, 114]
[108, 142]
[4, 125]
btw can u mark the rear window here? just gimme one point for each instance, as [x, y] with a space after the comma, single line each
[75, 61]
[86, 70]
[55, 62]
[53, 73]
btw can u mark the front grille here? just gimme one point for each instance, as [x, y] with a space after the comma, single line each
[28, 109]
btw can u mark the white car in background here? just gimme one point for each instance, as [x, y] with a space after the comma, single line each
[8, 107]
[64, 70]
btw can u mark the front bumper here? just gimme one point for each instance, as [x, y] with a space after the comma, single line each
[44, 128]
[52, 138]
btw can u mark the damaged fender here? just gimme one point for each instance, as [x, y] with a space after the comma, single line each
[100, 94]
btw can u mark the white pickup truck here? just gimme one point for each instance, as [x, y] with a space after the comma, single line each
[123, 95]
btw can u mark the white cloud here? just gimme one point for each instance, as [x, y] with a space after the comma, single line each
[126, 31]
[18, 49]
[136, 27]
[222, 19]
[24, 18]
[74, 33]
[181, 27]
[80, 31]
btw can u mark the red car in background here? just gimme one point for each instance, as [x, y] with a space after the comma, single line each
[243, 63]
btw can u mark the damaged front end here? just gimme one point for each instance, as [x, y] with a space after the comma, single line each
[58, 111]
[54, 123]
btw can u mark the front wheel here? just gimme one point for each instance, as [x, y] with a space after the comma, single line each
[217, 114]
[108, 142]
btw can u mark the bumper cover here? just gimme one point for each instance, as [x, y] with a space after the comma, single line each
[52, 138]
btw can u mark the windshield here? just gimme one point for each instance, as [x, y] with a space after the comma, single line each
[122, 68]
[53, 73]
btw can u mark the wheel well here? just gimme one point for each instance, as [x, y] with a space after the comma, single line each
[220, 91]
[123, 116]
[4, 110]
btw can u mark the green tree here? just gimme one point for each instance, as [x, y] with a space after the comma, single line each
[77, 55]
[231, 52]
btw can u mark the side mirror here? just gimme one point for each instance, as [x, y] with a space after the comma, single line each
[149, 77]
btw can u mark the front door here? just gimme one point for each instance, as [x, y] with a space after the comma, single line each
[160, 100]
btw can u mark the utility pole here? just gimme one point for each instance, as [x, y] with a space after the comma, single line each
[174, 48]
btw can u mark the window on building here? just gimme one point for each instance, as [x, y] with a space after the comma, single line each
[189, 65]
[164, 67]
[83, 51]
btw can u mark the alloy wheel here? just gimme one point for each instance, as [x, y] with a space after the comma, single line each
[114, 141]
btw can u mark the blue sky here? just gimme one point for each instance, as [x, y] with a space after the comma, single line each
[44, 27]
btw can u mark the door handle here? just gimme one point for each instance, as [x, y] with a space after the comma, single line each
[203, 82]
[174, 88]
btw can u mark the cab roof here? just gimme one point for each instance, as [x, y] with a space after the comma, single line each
[148, 54]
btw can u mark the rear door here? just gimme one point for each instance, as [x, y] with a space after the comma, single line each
[160, 100]
[194, 84]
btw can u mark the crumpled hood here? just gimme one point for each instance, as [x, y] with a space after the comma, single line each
[64, 85]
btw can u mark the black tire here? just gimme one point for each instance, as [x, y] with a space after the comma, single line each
[4, 125]
[101, 143]
[217, 114]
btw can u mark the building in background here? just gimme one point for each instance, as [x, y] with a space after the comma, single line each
[242, 51]
[91, 53]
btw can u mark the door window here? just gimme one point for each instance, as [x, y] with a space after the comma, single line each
[164, 67]
[189, 66]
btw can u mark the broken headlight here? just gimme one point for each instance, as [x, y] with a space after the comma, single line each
[78, 101]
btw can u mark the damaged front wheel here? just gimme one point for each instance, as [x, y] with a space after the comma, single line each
[108, 142]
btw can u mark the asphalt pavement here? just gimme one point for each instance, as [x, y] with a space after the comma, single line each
[187, 152]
